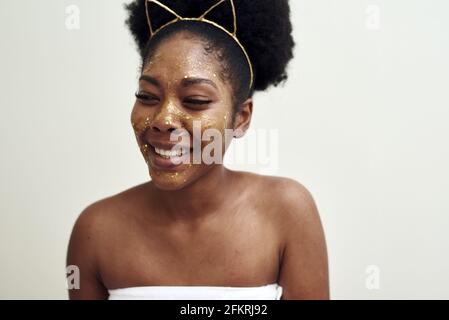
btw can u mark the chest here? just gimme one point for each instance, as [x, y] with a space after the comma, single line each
[234, 252]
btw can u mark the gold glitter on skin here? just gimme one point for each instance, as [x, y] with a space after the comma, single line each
[170, 68]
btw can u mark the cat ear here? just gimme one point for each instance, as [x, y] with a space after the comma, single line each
[147, 10]
[231, 2]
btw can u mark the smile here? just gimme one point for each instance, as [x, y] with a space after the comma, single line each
[167, 154]
[168, 158]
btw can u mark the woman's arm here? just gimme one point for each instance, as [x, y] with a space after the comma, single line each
[82, 253]
[304, 268]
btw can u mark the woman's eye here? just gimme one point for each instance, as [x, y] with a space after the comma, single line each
[146, 98]
[197, 102]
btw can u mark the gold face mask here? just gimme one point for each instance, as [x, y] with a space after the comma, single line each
[171, 78]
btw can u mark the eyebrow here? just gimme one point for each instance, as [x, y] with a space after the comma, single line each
[150, 80]
[192, 81]
[185, 82]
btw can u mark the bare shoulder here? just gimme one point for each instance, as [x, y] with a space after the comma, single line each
[293, 200]
[93, 235]
[86, 238]
[288, 198]
[99, 211]
[89, 221]
[95, 222]
[288, 191]
[304, 262]
[91, 227]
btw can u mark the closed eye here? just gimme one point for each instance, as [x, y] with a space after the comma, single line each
[197, 102]
[149, 99]
[146, 98]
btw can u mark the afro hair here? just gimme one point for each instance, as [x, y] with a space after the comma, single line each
[263, 27]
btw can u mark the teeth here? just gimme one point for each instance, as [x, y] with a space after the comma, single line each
[170, 153]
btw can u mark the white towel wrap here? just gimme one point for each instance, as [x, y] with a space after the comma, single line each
[267, 292]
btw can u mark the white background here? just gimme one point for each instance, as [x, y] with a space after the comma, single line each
[362, 124]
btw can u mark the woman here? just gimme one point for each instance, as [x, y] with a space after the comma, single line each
[198, 230]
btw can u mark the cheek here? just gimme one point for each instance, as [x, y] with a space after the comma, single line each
[218, 123]
[140, 121]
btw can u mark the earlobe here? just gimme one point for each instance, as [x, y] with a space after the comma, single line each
[238, 133]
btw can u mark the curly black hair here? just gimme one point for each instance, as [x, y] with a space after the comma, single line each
[263, 27]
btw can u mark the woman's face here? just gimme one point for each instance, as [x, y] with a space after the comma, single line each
[181, 93]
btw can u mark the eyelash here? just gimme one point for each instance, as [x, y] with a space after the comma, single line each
[198, 102]
[146, 98]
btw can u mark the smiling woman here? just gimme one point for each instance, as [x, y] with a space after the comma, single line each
[198, 229]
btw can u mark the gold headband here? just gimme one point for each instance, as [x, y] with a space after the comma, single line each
[202, 19]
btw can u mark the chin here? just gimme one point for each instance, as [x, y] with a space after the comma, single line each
[167, 186]
[169, 181]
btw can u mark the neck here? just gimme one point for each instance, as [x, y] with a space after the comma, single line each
[200, 199]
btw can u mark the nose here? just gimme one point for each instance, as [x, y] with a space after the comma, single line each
[165, 120]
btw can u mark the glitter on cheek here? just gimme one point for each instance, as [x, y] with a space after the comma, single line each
[135, 128]
[140, 126]
[144, 149]
[146, 125]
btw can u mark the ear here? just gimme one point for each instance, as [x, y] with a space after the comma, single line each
[234, 16]
[243, 118]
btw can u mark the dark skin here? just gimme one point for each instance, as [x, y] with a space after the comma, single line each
[205, 225]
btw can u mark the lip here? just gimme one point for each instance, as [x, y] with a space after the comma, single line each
[166, 146]
[160, 163]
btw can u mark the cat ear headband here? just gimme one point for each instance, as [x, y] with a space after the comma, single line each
[202, 18]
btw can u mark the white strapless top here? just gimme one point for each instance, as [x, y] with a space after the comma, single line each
[267, 292]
